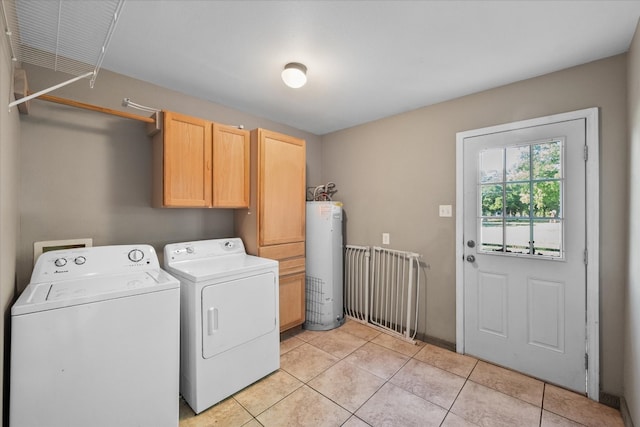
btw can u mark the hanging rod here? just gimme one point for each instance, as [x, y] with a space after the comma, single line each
[91, 107]
[127, 102]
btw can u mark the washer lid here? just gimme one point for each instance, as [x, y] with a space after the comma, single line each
[197, 270]
[51, 295]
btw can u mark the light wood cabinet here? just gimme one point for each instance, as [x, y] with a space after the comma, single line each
[274, 224]
[230, 167]
[198, 163]
[292, 308]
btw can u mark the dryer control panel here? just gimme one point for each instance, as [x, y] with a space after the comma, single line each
[203, 249]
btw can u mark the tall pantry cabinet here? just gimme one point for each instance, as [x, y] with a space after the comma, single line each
[274, 224]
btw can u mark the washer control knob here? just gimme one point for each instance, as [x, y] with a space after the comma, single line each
[80, 260]
[228, 244]
[189, 249]
[136, 255]
[60, 262]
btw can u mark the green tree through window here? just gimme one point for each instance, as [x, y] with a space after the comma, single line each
[521, 199]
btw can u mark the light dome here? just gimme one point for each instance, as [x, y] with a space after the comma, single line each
[294, 75]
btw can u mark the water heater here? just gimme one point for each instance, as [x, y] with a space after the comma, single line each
[324, 266]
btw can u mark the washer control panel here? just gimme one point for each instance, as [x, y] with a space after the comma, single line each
[91, 261]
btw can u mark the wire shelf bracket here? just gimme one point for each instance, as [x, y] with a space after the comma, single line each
[62, 35]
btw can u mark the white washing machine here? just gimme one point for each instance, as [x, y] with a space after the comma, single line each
[95, 341]
[229, 327]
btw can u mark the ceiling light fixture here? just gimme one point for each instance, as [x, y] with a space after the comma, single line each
[294, 75]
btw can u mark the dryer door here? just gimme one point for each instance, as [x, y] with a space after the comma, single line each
[238, 311]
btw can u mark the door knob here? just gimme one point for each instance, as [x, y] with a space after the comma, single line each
[471, 243]
[471, 258]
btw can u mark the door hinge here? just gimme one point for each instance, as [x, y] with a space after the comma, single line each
[586, 362]
[586, 153]
[586, 257]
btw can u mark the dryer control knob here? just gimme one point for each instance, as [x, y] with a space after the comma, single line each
[60, 262]
[136, 255]
[80, 260]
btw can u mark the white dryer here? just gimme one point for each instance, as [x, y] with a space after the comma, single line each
[95, 341]
[229, 327]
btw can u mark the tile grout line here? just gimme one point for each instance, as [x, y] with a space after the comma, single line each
[544, 390]
[352, 414]
[466, 380]
[411, 357]
[564, 416]
[275, 403]
[386, 380]
[340, 359]
[379, 388]
[365, 340]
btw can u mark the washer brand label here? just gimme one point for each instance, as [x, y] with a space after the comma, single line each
[60, 271]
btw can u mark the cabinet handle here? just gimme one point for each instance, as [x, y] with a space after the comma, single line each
[208, 165]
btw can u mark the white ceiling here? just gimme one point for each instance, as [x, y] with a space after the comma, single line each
[366, 59]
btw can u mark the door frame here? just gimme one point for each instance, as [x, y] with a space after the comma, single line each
[592, 134]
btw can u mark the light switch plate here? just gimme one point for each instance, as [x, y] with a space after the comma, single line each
[446, 211]
[385, 238]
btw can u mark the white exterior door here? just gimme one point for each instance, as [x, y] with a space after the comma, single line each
[524, 254]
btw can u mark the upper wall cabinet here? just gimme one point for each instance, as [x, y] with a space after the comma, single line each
[230, 167]
[198, 163]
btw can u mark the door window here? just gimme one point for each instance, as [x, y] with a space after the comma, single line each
[521, 198]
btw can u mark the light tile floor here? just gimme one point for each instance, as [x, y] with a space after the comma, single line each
[356, 376]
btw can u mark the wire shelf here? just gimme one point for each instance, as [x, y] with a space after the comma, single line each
[65, 35]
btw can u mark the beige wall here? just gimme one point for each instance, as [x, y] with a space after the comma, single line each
[632, 297]
[88, 174]
[9, 162]
[393, 173]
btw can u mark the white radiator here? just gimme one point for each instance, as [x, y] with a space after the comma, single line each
[382, 288]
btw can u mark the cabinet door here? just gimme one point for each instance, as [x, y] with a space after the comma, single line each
[187, 161]
[282, 188]
[230, 167]
[292, 308]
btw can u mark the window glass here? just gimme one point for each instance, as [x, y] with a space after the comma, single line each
[491, 234]
[518, 163]
[547, 235]
[492, 200]
[546, 199]
[517, 200]
[521, 199]
[491, 166]
[546, 160]
[517, 234]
